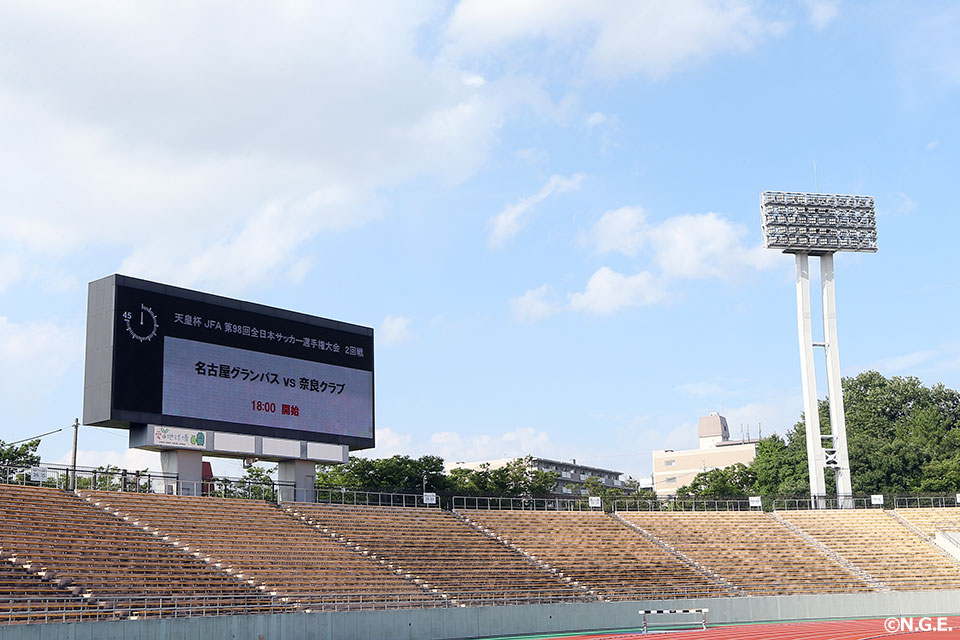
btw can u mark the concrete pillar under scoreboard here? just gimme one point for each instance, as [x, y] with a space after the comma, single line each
[302, 473]
[187, 465]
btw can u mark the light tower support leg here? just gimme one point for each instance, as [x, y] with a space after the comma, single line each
[838, 428]
[811, 413]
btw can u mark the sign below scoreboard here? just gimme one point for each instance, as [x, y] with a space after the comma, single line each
[191, 362]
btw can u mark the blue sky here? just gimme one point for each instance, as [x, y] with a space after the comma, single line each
[548, 210]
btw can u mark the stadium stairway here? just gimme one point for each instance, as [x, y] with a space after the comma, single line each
[57, 536]
[440, 550]
[751, 550]
[880, 545]
[598, 552]
[268, 549]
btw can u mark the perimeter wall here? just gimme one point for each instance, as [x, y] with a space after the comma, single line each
[481, 622]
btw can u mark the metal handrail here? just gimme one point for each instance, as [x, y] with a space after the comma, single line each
[520, 504]
[343, 495]
[901, 502]
[673, 503]
[67, 609]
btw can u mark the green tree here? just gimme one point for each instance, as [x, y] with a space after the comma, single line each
[902, 436]
[22, 455]
[735, 481]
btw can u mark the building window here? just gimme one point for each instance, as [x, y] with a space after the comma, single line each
[670, 463]
[672, 480]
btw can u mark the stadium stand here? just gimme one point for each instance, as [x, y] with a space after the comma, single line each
[263, 545]
[597, 551]
[928, 519]
[436, 547]
[26, 596]
[877, 543]
[56, 535]
[751, 550]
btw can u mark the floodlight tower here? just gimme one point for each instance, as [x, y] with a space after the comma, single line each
[815, 224]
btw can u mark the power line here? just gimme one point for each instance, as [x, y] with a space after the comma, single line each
[10, 444]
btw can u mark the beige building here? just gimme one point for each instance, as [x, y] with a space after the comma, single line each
[674, 469]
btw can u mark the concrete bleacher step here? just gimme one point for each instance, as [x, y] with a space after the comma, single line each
[703, 570]
[365, 553]
[527, 556]
[830, 553]
[923, 536]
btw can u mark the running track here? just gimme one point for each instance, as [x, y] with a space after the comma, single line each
[842, 630]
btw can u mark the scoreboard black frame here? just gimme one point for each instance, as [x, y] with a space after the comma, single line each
[129, 319]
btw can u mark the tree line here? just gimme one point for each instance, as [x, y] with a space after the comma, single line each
[903, 438]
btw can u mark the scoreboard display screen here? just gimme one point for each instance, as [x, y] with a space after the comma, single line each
[163, 355]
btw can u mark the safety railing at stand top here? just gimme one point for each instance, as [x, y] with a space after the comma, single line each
[66, 609]
[520, 504]
[672, 503]
[901, 502]
[61, 477]
[804, 503]
[88, 478]
[342, 495]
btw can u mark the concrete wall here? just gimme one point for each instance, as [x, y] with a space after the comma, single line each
[479, 622]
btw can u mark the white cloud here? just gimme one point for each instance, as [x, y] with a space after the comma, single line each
[130, 459]
[532, 305]
[682, 247]
[903, 202]
[395, 330]
[775, 415]
[34, 357]
[704, 246]
[608, 291]
[821, 12]
[612, 38]
[932, 145]
[205, 155]
[10, 270]
[508, 223]
[532, 156]
[597, 118]
[390, 443]
[686, 246]
[620, 230]
[455, 447]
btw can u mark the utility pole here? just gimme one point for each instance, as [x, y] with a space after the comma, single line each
[76, 429]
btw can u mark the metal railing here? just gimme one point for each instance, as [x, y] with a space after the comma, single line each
[61, 477]
[67, 609]
[520, 504]
[901, 502]
[805, 503]
[342, 495]
[672, 503]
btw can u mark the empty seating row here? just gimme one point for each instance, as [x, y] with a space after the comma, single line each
[877, 543]
[439, 549]
[929, 519]
[750, 550]
[264, 546]
[599, 553]
[55, 534]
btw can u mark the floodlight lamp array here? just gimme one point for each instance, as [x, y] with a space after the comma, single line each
[818, 223]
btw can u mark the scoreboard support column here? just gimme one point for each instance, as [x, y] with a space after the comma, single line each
[301, 474]
[187, 465]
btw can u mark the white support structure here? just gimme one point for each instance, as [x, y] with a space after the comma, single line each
[808, 379]
[823, 451]
[836, 455]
